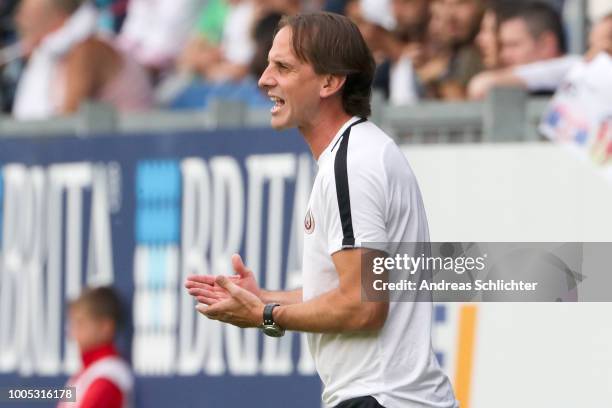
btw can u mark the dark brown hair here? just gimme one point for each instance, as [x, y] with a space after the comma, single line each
[100, 302]
[540, 18]
[332, 44]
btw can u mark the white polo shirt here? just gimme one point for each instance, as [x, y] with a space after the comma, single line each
[364, 192]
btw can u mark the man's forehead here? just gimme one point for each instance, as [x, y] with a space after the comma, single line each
[515, 25]
[282, 47]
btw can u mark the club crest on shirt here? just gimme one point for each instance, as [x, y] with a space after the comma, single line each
[309, 223]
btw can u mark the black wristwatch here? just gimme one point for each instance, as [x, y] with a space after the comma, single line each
[269, 327]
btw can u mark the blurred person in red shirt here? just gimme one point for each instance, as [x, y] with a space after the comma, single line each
[105, 380]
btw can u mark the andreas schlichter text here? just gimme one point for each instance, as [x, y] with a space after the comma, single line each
[479, 284]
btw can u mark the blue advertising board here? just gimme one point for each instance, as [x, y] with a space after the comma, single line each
[141, 212]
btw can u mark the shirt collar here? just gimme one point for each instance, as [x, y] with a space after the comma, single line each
[91, 356]
[332, 145]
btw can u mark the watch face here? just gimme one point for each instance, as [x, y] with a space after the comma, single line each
[273, 331]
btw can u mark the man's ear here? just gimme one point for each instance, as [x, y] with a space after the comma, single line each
[332, 84]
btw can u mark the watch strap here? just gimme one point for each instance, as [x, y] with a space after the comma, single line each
[268, 319]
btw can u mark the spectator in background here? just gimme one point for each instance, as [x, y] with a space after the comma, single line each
[533, 33]
[421, 51]
[532, 48]
[403, 48]
[600, 39]
[487, 39]
[215, 63]
[230, 58]
[412, 19]
[68, 64]
[368, 28]
[439, 55]
[211, 20]
[411, 22]
[394, 76]
[378, 12]
[462, 19]
[155, 32]
[225, 53]
[544, 76]
[455, 26]
[105, 380]
[406, 49]
[204, 46]
[227, 71]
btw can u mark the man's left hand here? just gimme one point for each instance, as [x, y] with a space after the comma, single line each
[242, 308]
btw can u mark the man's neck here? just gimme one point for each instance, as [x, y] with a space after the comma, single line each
[322, 131]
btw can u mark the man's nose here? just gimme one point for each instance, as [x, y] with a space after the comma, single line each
[266, 80]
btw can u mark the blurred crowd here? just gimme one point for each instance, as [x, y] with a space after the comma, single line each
[182, 54]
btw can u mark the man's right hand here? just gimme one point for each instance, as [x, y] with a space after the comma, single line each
[205, 290]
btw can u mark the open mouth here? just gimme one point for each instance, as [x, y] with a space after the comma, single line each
[278, 104]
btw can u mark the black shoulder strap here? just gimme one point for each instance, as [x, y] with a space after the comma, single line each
[342, 187]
